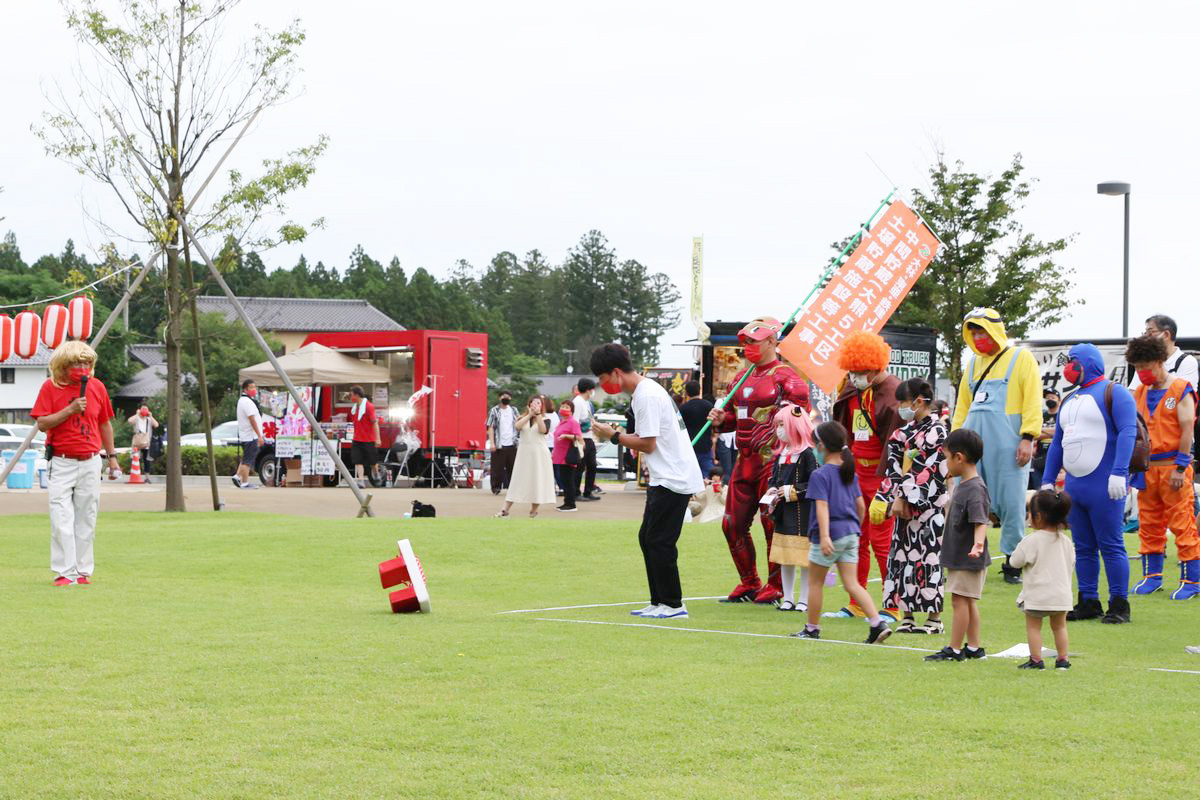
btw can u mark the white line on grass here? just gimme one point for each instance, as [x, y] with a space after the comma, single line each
[1183, 671]
[595, 605]
[630, 603]
[732, 633]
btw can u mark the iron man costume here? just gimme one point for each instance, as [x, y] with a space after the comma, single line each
[753, 419]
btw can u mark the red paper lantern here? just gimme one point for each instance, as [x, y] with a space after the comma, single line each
[6, 337]
[27, 329]
[81, 318]
[54, 325]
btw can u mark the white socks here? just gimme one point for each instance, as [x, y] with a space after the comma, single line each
[788, 576]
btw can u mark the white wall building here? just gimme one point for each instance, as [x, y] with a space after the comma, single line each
[20, 381]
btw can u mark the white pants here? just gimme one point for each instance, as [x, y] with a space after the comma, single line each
[74, 502]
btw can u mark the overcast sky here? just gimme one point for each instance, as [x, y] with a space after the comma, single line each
[459, 129]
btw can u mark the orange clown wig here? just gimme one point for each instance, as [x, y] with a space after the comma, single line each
[864, 352]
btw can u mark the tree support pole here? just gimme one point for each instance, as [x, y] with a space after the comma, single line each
[205, 406]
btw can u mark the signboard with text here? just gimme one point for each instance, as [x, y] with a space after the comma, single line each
[862, 295]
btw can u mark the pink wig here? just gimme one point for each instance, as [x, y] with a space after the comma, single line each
[797, 429]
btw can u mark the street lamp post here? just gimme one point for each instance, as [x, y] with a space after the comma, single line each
[1116, 188]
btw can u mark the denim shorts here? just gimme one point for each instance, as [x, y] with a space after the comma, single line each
[845, 550]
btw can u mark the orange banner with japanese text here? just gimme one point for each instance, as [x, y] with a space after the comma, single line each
[862, 295]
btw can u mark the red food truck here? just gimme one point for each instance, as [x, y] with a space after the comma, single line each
[432, 409]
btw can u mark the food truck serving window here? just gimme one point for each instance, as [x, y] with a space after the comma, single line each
[400, 377]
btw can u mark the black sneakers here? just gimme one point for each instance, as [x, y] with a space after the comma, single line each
[1118, 611]
[1031, 664]
[973, 652]
[878, 633]
[1087, 609]
[1011, 574]
[807, 633]
[1062, 663]
[947, 653]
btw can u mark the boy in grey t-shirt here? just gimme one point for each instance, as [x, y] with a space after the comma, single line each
[964, 545]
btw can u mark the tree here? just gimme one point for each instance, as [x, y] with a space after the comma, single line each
[522, 383]
[589, 279]
[228, 348]
[647, 310]
[987, 259]
[10, 255]
[161, 92]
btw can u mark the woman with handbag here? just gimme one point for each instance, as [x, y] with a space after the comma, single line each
[143, 424]
[568, 453]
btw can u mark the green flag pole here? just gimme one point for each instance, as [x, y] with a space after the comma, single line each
[830, 268]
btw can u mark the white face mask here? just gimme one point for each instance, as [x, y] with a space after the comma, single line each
[906, 413]
[860, 380]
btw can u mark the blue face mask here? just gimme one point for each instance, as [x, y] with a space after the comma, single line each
[820, 453]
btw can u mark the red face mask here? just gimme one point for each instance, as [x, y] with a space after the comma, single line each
[754, 351]
[251, 392]
[77, 374]
[984, 343]
[1073, 373]
[565, 413]
[145, 412]
[611, 386]
[1147, 377]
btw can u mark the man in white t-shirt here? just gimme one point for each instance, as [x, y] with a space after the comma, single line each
[661, 437]
[582, 402]
[249, 434]
[1178, 364]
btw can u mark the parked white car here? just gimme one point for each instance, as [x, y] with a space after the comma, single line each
[224, 434]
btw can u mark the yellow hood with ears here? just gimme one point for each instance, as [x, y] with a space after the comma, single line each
[989, 320]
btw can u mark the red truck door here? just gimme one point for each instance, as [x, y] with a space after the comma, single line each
[445, 363]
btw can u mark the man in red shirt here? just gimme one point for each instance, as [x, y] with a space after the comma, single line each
[367, 440]
[74, 411]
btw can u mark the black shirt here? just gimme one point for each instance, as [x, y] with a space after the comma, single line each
[695, 414]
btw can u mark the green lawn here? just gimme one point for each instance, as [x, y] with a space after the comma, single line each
[252, 656]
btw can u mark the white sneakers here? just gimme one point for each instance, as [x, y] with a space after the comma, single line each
[661, 612]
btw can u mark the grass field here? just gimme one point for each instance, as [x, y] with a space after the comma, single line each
[252, 656]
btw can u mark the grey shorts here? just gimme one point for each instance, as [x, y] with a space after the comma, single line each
[845, 550]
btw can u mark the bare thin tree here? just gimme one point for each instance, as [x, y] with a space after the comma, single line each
[164, 72]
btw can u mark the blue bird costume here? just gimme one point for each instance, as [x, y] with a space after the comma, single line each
[1094, 446]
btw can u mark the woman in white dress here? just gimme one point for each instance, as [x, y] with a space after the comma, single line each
[532, 478]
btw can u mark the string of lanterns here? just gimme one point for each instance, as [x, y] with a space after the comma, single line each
[21, 335]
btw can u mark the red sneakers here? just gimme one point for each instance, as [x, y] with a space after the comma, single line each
[768, 594]
[83, 579]
[61, 581]
[743, 593]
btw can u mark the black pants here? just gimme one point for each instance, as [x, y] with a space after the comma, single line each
[662, 522]
[587, 470]
[364, 453]
[568, 480]
[503, 459]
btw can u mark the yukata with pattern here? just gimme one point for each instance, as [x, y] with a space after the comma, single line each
[916, 472]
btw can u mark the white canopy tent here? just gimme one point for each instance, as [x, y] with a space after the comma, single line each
[316, 364]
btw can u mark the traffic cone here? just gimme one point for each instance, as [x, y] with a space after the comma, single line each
[405, 570]
[135, 467]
